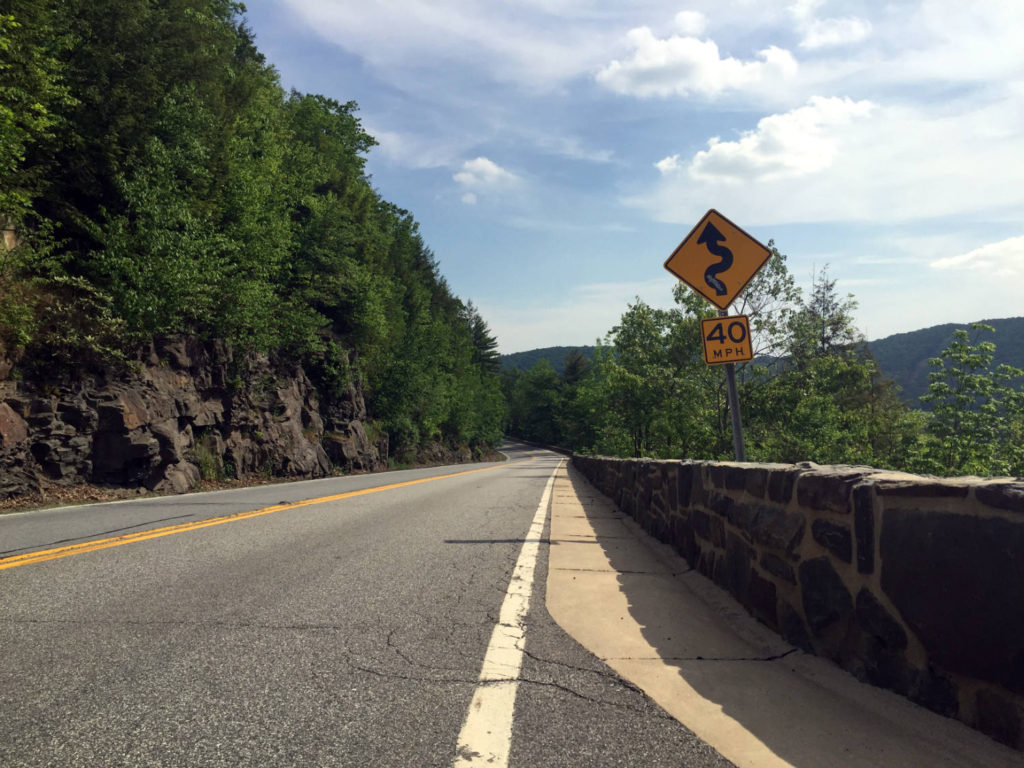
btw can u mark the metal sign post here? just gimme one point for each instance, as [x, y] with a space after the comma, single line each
[734, 407]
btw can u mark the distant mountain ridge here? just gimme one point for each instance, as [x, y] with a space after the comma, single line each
[903, 357]
[524, 361]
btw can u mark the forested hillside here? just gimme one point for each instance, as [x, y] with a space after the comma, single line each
[904, 357]
[156, 179]
[524, 361]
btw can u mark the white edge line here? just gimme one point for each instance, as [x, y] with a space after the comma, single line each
[486, 735]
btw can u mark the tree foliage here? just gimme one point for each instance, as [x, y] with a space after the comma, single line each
[977, 411]
[822, 326]
[825, 400]
[815, 393]
[156, 171]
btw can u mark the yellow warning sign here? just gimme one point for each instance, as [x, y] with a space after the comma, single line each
[726, 339]
[717, 259]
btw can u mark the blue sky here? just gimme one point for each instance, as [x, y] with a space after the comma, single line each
[555, 152]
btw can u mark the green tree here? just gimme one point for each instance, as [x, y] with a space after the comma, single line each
[575, 422]
[837, 409]
[638, 376]
[477, 410]
[826, 400]
[648, 390]
[824, 325]
[538, 404]
[976, 410]
[33, 98]
[575, 367]
[485, 346]
[770, 301]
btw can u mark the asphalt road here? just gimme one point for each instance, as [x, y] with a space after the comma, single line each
[347, 632]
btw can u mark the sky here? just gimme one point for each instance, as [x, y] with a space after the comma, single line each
[555, 152]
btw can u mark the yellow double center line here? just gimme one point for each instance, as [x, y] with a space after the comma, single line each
[40, 556]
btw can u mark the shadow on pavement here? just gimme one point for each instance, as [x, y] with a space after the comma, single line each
[696, 652]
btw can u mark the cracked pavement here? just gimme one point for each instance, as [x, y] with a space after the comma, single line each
[348, 633]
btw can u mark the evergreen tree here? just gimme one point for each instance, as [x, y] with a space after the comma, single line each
[485, 346]
[824, 325]
[828, 401]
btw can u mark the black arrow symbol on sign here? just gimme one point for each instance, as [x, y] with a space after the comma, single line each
[711, 238]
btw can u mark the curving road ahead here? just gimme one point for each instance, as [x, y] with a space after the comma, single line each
[337, 622]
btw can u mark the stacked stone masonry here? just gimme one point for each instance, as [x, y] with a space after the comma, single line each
[911, 583]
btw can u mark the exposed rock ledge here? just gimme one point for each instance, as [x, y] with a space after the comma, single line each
[189, 409]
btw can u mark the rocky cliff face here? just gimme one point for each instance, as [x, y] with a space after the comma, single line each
[187, 410]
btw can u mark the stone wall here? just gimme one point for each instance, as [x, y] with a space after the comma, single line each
[914, 584]
[185, 409]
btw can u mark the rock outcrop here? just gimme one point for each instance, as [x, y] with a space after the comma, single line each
[186, 411]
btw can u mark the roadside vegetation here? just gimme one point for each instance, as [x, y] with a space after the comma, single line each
[159, 180]
[814, 394]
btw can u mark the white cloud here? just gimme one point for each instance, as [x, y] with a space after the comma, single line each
[469, 198]
[843, 160]
[681, 66]
[939, 153]
[803, 10]
[825, 33]
[829, 32]
[882, 261]
[484, 174]
[544, 45]
[542, 221]
[962, 42]
[535, 44]
[791, 144]
[976, 283]
[921, 247]
[670, 164]
[412, 151]
[691, 22]
[574, 149]
[1002, 259]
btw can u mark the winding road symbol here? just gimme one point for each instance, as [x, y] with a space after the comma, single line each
[717, 272]
[711, 238]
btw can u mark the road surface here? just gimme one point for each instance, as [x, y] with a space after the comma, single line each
[402, 619]
[250, 628]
